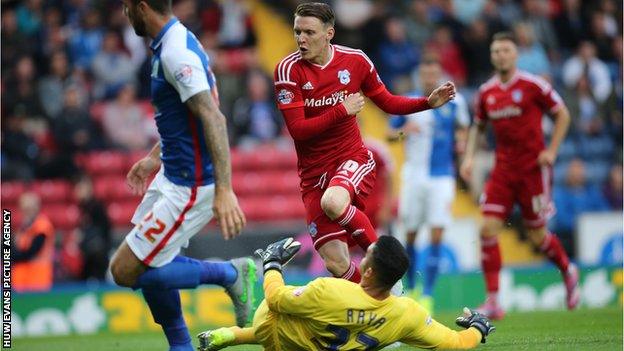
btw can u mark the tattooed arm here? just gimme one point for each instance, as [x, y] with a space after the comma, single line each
[225, 207]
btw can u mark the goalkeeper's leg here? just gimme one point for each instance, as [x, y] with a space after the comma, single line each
[218, 339]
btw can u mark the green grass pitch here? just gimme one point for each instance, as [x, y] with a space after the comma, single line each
[586, 329]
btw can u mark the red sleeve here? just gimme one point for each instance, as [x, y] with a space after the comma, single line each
[398, 105]
[302, 128]
[287, 90]
[372, 84]
[547, 97]
[479, 116]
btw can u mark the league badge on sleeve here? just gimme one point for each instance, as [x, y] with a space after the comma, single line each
[285, 96]
[344, 76]
[312, 229]
[184, 74]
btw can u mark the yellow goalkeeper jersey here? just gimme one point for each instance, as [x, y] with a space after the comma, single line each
[336, 314]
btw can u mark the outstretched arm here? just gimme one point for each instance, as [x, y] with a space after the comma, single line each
[402, 105]
[225, 206]
[425, 332]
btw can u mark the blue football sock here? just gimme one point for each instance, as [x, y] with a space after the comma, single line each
[166, 310]
[413, 266]
[187, 273]
[431, 269]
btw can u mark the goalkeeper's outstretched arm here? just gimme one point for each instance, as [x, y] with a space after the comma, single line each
[279, 297]
[432, 334]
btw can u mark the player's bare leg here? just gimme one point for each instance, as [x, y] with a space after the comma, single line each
[336, 202]
[125, 266]
[218, 339]
[491, 265]
[335, 254]
[549, 245]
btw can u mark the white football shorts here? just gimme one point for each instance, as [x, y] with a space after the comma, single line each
[167, 217]
[426, 201]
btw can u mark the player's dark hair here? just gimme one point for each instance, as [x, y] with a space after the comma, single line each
[319, 10]
[505, 36]
[390, 261]
[160, 6]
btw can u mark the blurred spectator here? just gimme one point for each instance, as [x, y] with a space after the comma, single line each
[585, 63]
[602, 31]
[94, 231]
[477, 53]
[126, 124]
[493, 15]
[449, 54]
[509, 10]
[468, 11]
[186, 12]
[86, 40]
[255, 118]
[419, 26]
[397, 55]
[74, 130]
[571, 199]
[351, 17]
[19, 150]
[612, 189]
[536, 15]
[51, 36]
[236, 29]
[112, 68]
[22, 93]
[52, 86]
[570, 25]
[443, 13]
[13, 42]
[587, 114]
[531, 54]
[33, 251]
[29, 16]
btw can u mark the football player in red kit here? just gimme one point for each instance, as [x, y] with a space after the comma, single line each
[318, 92]
[514, 102]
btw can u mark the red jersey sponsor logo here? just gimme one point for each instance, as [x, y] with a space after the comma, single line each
[332, 100]
[505, 112]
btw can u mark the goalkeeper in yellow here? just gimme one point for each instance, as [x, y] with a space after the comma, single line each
[336, 314]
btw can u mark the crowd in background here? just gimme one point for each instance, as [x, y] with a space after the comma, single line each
[60, 58]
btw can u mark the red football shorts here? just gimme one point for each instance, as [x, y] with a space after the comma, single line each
[531, 190]
[357, 175]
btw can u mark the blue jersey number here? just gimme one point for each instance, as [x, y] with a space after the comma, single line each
[341, 337]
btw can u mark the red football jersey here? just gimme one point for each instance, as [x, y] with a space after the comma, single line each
[299, 83]
[515, 110]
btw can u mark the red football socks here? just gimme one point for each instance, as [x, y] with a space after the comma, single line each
[352, 274]
[491, 263]
[358, 224]
[551, 247]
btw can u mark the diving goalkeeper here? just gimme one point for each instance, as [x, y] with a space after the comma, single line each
[336, 314]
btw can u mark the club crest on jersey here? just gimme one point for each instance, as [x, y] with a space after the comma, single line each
[491, 100]
[344, 76]
[516, 96]
[184, 74]
[285, 96]
[312, 229]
